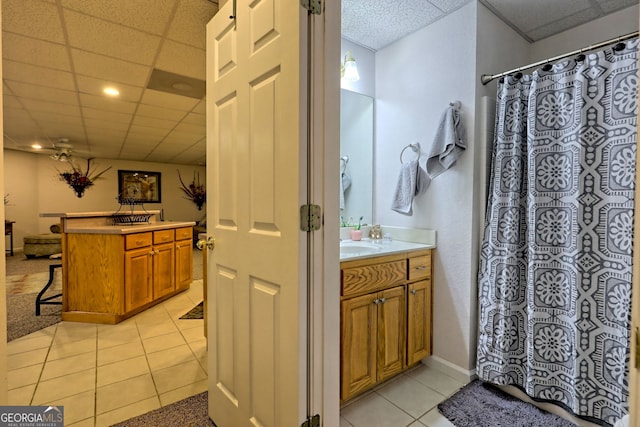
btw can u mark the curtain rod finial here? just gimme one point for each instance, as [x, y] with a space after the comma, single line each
[485, 79]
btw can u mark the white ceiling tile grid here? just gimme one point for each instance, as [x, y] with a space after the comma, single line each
[58, 55]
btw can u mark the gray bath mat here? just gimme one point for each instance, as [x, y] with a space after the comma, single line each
[481, 405]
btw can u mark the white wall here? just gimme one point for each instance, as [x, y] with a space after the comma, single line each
[32, 182]
[365, 60]
[416, 79]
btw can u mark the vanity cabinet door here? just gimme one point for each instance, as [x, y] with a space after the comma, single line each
[418, 321]
[358, 344]
[184, 263]
[164, 280]
[391, 332]
[138, 285]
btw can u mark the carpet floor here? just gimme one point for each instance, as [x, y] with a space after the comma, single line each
[481, 405]
[189, 412]
[196, 312]
[22, 319]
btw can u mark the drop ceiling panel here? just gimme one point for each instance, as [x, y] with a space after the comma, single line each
[609, 6]
[153, 122]
[110, 39]
[189, 128]
[17, 17]
[95, 86]
[160, 113]
[100, 124]
[195, 119]
[182, 59]
[51, 107]
[151, 16]
[181, 139]
[36, 52]
[557, 26]
[190, 22]
[448, 6]
[20, 72]
[108, 116]
[26, 90]
[147, 131]
[104, 103]
[163, 99]
[370, 20]
[115, 70]
[527, 15]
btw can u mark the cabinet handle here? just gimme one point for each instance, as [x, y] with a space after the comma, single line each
[376, 301]
[424, 267]
[413, 292]
[152, 253]
[383, 300]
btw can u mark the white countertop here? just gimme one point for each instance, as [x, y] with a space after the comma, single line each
[385, 248]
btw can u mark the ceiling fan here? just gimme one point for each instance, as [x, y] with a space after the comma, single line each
[63, 150]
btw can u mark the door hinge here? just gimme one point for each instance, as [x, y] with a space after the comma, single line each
[313, 6]
[637, 348]
[313, 421]
[310, 217]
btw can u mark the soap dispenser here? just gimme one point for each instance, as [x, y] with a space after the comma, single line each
[375, 233]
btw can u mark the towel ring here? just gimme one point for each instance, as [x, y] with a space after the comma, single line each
[344, 161]
[414, 147]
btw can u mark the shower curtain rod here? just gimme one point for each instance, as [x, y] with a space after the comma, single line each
[486, 78]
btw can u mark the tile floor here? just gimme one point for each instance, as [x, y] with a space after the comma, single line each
[410, 399]
[104, 374]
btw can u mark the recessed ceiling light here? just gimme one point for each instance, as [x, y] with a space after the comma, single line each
[111, 91]
[36, 146]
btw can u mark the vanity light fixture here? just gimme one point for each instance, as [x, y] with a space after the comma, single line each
[349, 69]
[111, 91]
[36, 146]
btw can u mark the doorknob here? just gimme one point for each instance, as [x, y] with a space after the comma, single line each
[210, 243]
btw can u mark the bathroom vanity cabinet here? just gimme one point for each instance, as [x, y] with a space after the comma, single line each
[385, 318]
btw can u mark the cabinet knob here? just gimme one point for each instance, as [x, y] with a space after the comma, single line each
[413, 292]
[376, 301]
[383, 300]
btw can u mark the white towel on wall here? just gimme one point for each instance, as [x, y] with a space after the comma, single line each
[448, 143]
[412, 181]
[345, 183]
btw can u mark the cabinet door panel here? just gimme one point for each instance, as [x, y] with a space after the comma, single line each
[419, 321]
[163, 270]
[138, 286]
[358, 350]
[184, 264]
[391, 332]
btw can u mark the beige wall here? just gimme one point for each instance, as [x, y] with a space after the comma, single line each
[31, 180]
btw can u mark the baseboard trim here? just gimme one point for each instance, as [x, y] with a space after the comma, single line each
[454, 371]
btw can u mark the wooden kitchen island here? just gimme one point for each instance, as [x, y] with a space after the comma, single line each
[112, 272]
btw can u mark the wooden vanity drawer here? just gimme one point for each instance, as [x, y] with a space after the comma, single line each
[368, 278]
[184, 233]
[419, 267]
[162, 236]
[138, 240]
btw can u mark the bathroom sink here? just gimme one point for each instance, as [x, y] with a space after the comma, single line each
[359, 248]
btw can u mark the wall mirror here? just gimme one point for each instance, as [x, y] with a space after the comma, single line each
[356, 155]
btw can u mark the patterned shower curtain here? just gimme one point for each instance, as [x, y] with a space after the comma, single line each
[555, 264]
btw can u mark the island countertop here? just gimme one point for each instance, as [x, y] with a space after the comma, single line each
[127, 229]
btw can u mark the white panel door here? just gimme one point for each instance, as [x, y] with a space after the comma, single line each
[256, 179]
